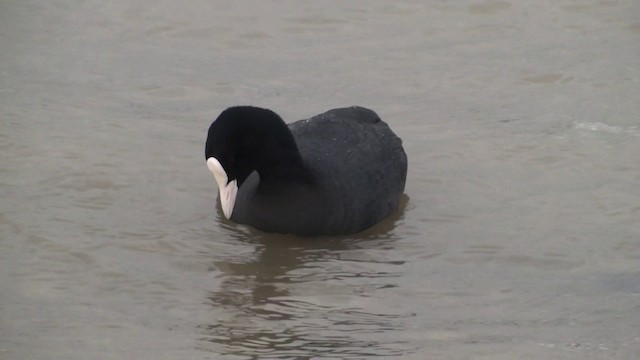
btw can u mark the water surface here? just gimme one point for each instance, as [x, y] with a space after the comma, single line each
[519, 237]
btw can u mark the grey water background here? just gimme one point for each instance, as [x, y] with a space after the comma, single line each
[519, 237]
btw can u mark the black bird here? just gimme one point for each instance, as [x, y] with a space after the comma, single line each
[336, 173]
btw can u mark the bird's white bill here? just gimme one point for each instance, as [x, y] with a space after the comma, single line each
[228, 189]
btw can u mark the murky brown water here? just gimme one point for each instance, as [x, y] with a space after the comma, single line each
[520, 238]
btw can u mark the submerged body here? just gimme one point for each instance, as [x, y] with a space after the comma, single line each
[348, 174]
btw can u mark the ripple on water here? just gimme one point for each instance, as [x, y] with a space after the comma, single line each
[605, 128]
[293, 327]
[295, 297]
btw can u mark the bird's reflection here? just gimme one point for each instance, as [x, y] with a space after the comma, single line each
[307, 297]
